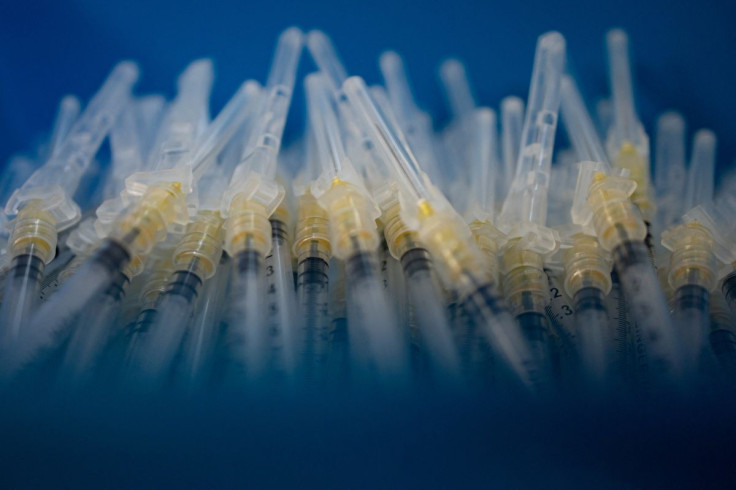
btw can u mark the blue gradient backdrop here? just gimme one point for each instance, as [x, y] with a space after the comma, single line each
[683, 50]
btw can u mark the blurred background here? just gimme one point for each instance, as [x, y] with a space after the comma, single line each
[682, 51]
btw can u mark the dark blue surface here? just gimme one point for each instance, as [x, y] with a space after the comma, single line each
[683, 50]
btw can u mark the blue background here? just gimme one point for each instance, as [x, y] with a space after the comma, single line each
[683, 50]
[683, 53]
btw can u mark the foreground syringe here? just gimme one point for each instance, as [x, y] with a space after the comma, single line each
[587, 264]
[43, 206]
[524, 213]
[251, 198]
[697, 245]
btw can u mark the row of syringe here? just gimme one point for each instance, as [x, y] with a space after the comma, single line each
[409, 253]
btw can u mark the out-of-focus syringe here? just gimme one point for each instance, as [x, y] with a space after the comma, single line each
[603, 199]
[197, 253]
[376, 343]
[434, 338]
[524, 213]
[251, 198]
[587, 264]
[313, 251]
[693, 243]
[460, 263]
[43, 205]
[627, 143]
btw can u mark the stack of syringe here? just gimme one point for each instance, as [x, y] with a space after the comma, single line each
[374, 252]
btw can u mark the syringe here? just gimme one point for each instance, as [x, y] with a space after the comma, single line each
[20, 167]
[587, 263]
[251, 198]
[433, 335]
[157, 203]
[197, 253]
[627, 143]
[460, 263]
[376, 342]
[313, 251]
[43, 206]
[602, 199]
[524, 212]
[692, 273]
[91, 332]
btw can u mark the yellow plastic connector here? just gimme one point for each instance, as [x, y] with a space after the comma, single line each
[147, 223]
[630, 158]
[352, 218]
[615, 217]
[247, 227]
[312, 230]
[692, 262]
[524, 280]
[448, 239]
[399, 238]
[201, 245]
[587, 264]
[488, 238]
[34, 232]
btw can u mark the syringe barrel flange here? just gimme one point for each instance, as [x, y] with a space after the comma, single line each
[312, 230]
[525, 283]
[399, 238]
[247, 227]
[352, 221]
[613, 212]
[201, 244]
[692, 262]
[587, 265]
[147, 223]
[631, 159]
[34, 232]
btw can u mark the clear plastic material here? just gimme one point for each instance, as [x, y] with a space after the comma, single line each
[483, 148]
[701, 174]
[669, 168]
[512, 123]
[53, 184]
[526, 202]
[457, 88]
[579, 125]
[626, 126]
